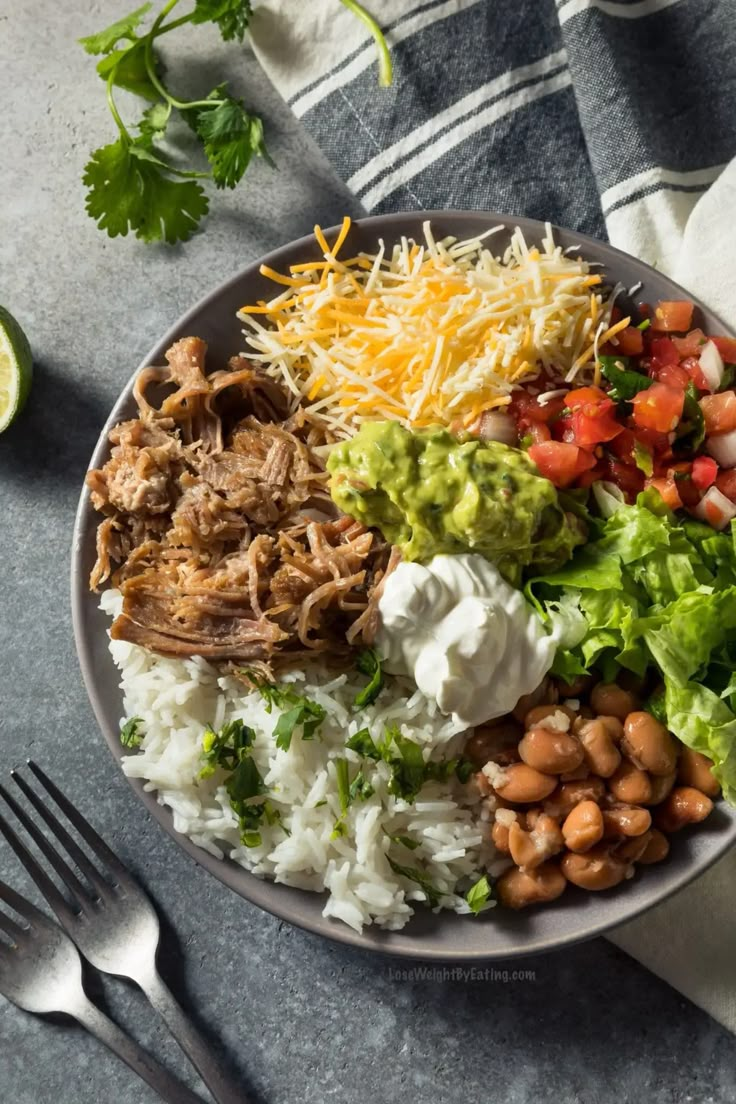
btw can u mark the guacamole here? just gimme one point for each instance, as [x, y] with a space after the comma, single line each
[429, 492]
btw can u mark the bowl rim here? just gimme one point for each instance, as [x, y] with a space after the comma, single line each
[271, 896]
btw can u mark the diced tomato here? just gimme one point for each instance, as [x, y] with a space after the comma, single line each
[630, 342]
[719, 412]
[655, 441]
[585, 396]
[561, 463]
[726, 346]
[659, 407]
[668, 490]
[623, 446]
[704, 472]
[593, 417]
[691, 344]
[673, 375]
[526, 409]
[662, 351]
[691, 365]
[726, 483]
[671, 315]
[628, 478]
[600, 471]
[681, 474]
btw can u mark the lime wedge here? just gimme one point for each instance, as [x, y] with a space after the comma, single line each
[16, 368]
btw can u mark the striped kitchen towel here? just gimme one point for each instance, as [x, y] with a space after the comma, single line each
[616, 118]
[612, 117]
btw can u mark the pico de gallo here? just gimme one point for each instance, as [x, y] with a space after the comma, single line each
[660, 413]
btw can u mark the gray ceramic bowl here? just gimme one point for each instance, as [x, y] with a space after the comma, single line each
[446, 937]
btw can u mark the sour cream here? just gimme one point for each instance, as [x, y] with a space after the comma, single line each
[467, 638]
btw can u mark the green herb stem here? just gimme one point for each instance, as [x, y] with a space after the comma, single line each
[124, 132]
[385, 67]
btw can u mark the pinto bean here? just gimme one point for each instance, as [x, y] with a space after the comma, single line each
[583, 826]
[696, 769]
[648, 744]
[685, 805]
[630, 785]
[550, 751]
[524, 785]
[600, 753]
[611, 700]
[518, 889]
[597, 869]
[626, 820]
[531, 849]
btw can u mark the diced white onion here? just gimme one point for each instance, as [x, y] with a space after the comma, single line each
[722, 447]
[711, 365]
[496, 426]
[725, 507]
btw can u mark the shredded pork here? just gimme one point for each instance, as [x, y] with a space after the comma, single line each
[218, 525]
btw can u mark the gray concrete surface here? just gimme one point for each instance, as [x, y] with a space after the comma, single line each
[298, 1018]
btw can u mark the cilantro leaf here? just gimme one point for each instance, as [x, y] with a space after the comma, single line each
[625, 383]
[409, 773]
[414, 874]
[690, 432]
[129, 191]
[129, 734]
[104, 41]
[224, 748]
[231, 137]
[284, 729]
[127, 68]
[643, 458]
[406, 841]
[362, 742]
[230, 750]
[155, 120]
[303, 711]
[342, 775]
[727, 379]
[369, 663]
[464, 769]
[360, 788]
[479, 894]
[231, 16]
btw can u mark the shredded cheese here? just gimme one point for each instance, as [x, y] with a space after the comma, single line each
[432, 333]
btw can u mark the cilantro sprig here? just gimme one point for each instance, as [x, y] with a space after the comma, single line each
[130, 734]
[133, 185]
[415, 874]
[299, 711]
[409, 772]
[369, 663]
[230, 750]
[479, 894]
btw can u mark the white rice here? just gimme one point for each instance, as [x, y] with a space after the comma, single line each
[176, 699]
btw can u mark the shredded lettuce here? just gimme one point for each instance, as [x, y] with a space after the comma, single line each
[648, 593]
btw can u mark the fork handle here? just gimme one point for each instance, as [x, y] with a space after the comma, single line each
[167, 1086]
[194, 1045]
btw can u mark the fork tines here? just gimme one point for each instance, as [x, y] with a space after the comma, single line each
[81, 895]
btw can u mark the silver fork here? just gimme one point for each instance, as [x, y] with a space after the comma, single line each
[110, 919]
[41, 972]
